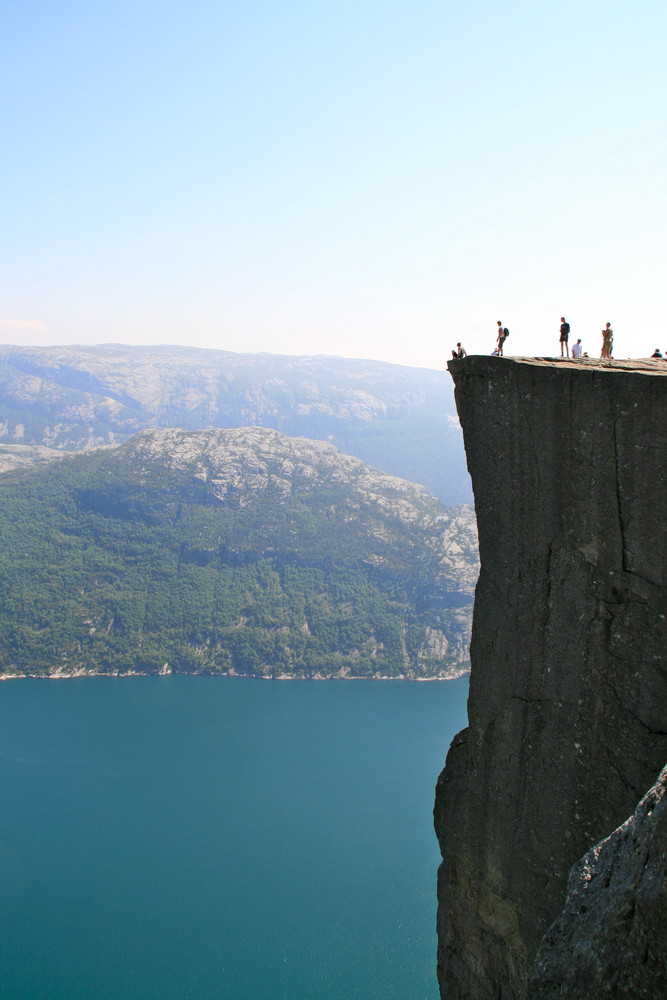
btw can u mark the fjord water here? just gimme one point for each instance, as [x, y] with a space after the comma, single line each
[205, 838]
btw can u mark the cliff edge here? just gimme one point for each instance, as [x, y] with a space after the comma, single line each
[568, 696]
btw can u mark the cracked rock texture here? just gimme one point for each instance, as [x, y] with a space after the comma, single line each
[610, 939]
[568, 697]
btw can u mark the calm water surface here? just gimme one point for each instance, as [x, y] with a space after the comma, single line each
[196, 837]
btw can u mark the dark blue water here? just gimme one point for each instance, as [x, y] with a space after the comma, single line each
[195, 837]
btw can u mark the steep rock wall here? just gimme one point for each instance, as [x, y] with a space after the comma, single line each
[568, 698]
[609, 941]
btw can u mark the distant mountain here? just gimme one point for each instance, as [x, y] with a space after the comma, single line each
[402, 420]
[230, 551]
[14, 455]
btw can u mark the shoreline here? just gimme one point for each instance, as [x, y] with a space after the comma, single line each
[255, 677]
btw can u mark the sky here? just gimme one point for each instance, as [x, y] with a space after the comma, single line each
[366, 179]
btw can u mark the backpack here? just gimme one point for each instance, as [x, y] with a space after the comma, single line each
[506, 332]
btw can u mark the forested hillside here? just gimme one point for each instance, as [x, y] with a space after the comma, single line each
[402, 420]
[230, 551]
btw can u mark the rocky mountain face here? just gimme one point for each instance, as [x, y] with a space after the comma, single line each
[395, 418]
[12, 456]
[610, 938]
[230, 551]
[568, 699]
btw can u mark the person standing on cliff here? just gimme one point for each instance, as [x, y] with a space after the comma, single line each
[564, 335]
[607, 341]
[502, 337]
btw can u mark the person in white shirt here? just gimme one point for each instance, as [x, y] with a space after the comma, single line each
[502, 337]
[577, 349]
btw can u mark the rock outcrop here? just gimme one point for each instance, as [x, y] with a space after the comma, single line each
[610, 938]
[568, 699]
[13, 456]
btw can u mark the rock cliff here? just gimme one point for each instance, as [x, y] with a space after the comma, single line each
[568, 699]
[610, 938]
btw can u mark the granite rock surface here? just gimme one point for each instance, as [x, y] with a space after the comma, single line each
[609, 940]
[568, 698]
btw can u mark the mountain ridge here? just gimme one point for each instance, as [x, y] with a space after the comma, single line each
[230, 551]
[70, 398]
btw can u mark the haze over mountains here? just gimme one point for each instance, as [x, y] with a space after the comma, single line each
[402, 420]
[230, 551]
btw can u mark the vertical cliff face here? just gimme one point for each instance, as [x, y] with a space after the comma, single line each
[568, 699]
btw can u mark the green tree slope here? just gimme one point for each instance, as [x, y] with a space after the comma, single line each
[232, 552]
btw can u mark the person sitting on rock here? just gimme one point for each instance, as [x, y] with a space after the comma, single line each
[461, 351]
[656, 353]
[577, 349]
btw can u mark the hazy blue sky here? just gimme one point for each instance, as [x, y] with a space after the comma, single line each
[371, 179]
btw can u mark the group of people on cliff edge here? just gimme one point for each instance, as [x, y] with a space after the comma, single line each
[577, 349]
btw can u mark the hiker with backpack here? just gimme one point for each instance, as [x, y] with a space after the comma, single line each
[503, 334]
